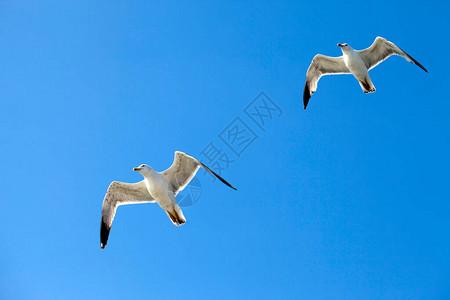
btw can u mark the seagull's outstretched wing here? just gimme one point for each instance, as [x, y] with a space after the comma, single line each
[321, 65]
[120, 193]
[382, 49]
[183, 169]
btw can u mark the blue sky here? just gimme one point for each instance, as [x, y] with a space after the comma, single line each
[346, 200]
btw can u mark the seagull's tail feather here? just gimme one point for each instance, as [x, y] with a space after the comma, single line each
[176, 216]
[367, 85]
[104, 234]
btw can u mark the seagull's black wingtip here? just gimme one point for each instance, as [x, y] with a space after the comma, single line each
[215, 174]
[104, 234]
[416, 62]
[306, 96]
[420, 66]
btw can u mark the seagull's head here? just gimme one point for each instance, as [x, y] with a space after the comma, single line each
[144, 169]
[344, 46]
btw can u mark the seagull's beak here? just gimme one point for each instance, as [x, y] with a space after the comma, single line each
[136, 169]
[340, 45]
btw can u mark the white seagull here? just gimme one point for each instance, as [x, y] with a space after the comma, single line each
[159, 187]
[356, 62]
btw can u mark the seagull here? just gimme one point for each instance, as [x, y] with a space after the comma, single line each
[356, 62]
[159, 187]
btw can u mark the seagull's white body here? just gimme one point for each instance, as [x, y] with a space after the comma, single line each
[356, 62]
[159, 187]
[358, 68]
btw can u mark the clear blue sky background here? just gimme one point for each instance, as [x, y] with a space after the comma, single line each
[346, 200]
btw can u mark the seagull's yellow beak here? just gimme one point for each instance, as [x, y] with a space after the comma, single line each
[136, 169]
[340, 45]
